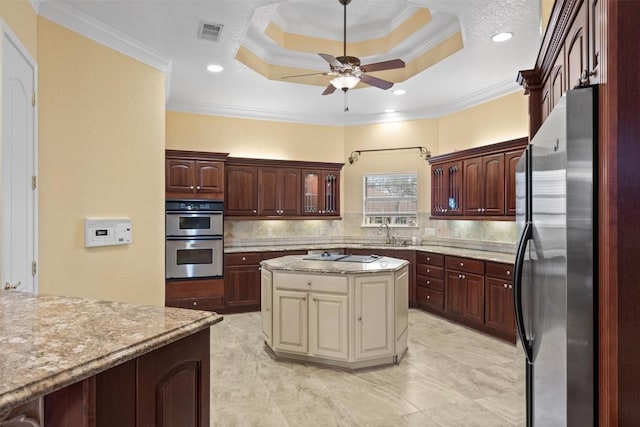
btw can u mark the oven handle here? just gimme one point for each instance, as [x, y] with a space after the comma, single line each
[194, 238]
[194, 212]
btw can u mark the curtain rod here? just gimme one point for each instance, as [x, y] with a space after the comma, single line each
[424, 152]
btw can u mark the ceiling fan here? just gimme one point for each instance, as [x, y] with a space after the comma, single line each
[348, 71]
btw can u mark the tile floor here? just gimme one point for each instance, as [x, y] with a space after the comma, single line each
[451, 376]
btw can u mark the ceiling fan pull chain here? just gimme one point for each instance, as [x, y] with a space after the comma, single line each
[346, 101]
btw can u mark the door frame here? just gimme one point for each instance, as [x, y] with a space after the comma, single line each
[8, 36]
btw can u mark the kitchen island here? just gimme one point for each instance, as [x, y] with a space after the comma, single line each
[69, 360]
[350, 312]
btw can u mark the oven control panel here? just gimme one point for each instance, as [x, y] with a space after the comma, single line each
[107, 232]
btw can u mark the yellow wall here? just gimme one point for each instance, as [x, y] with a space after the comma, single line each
[254, 138]
[388, 135]
[23, 21]
[499, 120]
[101, 154]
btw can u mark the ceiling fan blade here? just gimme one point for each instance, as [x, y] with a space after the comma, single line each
[374, 81]
[329, 90]
[331, 60]
[304, 75]
[384, 65]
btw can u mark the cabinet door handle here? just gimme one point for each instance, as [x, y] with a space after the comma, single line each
[315, 299]
[360, 319]
[304, 298]
[464, 277]
[428, 271]
[462, 264]
[309, 283]
[459, 276]
[505, 286]
[428, 296]
[428, 282]
[197, 187]
[510, 286]
[255, 211]
[508, 273]
[191, 187]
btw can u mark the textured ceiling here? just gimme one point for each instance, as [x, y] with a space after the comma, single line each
[479, 71]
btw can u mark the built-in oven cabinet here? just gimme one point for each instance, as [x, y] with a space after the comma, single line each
[194, 175]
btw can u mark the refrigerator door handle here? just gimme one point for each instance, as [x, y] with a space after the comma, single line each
[527, 235]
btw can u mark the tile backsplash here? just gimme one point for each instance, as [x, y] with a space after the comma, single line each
[499, 236]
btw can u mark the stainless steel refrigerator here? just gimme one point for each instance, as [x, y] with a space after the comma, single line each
[556, 264]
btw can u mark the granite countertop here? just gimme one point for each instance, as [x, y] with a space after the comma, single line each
[445, 250]
[297, 263]
[48, 342]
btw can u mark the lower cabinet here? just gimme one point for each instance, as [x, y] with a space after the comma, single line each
[374, 316]
[199, 294]
[351, 321]
[166, 387]
[465, 289]
[242, 281]
[499, 309]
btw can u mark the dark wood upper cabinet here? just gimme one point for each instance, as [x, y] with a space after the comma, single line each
[282, 189]
[194, 175]
[278, 191]
[242, 190]
[476, 184]
[510, 161]
[576, 49]
[446, 189]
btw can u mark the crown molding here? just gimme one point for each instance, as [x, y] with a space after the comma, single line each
[35, 4]
[494, 91]
[97, 31]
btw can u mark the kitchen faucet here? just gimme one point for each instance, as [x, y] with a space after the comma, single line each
[389, 238]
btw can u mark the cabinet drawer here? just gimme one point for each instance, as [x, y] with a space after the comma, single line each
[205, 288]
[498, 269]
[430, 270]
[430, 298]
[465, 264]
[430, 258]
[311, 282]
[278, 254]
[430, 282]
[214, 303]
[243, 258]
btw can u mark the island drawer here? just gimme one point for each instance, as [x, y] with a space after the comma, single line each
[500, 270]
[430, 298]
[430, 282]
[431, 271]
[430, 258]
[246, 258]
[464, 264]
[311, 282]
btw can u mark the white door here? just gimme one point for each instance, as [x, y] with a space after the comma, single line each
[328, 326]
[290, 331]
[375, 335]
[18, 166]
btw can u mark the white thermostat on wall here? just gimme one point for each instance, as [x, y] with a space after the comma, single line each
[107, 232]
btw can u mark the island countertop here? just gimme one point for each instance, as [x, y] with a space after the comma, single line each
[298, 263]
[48, 342]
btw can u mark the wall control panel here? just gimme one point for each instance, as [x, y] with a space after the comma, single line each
[107, 232]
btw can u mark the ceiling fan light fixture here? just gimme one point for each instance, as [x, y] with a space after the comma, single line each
[346, 81]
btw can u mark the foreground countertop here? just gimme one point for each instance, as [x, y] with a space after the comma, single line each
[445, 250]
[297, 263]
[48, 342]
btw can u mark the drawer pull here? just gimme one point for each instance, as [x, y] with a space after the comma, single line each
[462, 264]
[309, 283]
[428, 271]
[244, 258]
[428, 282]
[428, 259]
[360, 319]
[508, 273]
[195, 303]
[428, 296]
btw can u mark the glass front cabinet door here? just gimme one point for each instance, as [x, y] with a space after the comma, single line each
[321, 193]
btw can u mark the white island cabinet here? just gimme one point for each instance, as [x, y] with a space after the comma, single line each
[347, 314]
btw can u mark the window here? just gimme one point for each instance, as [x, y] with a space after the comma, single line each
[390, 199]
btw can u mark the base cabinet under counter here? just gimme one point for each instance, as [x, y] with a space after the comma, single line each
[351, 321]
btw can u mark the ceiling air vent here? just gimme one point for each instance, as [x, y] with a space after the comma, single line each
[210, 31]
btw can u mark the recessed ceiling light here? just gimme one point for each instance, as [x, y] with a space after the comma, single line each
[389, 110]
[501, 37]
[399, 92]
[214, 68]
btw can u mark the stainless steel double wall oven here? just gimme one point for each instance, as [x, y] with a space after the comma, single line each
[194, 239]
